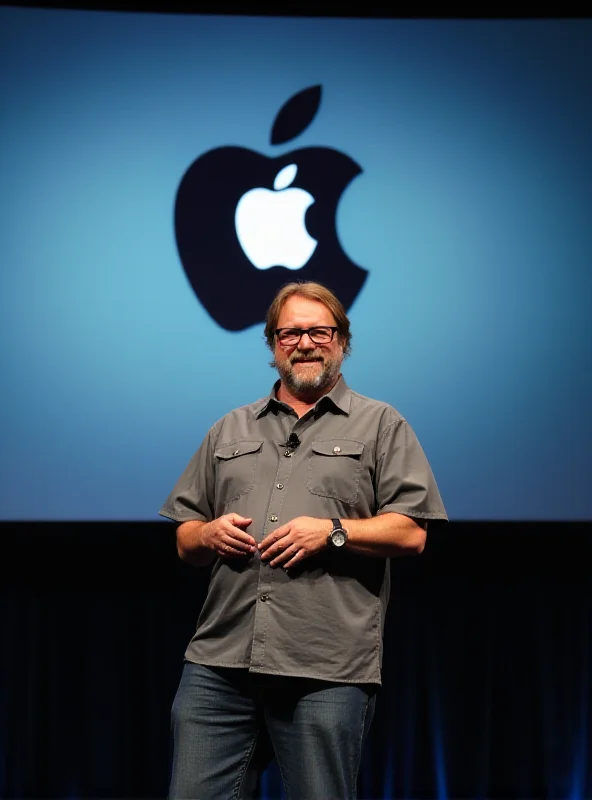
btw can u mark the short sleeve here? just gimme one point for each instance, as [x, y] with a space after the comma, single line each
[405, 483]
[193, 495]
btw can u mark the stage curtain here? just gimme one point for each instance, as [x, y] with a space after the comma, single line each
[486, 666]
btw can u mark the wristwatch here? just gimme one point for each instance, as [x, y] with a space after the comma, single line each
[338, 536]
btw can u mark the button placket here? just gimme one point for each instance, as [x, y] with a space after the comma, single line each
[279, 492]
[266, 574]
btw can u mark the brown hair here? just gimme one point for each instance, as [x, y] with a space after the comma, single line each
[312, 291]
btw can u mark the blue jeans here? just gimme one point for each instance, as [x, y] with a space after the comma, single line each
[228, 724]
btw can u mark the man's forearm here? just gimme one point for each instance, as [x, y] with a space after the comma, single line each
[389, 535]
[190, 545]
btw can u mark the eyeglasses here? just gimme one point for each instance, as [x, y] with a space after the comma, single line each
[321, 334]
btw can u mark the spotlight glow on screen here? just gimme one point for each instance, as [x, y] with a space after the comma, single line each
[437, 174]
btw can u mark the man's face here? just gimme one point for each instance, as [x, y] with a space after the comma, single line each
[307, 368]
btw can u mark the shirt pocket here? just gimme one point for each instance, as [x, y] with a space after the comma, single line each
[335, 468]
[236, 465]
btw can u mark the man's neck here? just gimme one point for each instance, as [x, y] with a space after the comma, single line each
[301, 402]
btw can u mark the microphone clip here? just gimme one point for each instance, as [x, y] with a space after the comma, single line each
[291, 445]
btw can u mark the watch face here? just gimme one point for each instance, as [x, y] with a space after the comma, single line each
[338, 538]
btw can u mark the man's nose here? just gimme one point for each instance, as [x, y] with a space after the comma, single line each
[306, 343]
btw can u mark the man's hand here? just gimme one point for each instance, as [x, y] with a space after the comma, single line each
[226, 538]
[296, 540]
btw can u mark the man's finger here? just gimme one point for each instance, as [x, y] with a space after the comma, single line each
[228, 551]
[244, 545]
[272, 537]
[281, 556]
[275, 548]
[240, 522]
[293, 556]
[237, 533]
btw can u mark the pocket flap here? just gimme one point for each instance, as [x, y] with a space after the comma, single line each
[338, 447]
[237, 449]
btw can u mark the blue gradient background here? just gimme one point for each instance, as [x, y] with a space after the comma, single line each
[472, 215]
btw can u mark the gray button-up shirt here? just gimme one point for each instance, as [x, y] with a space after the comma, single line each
[324, 618]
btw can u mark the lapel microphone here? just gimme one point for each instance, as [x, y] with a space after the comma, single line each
[293, 441]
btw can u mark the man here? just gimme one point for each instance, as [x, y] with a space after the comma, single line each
[299, 500]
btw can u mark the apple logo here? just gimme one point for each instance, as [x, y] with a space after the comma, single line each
[246, 224]
[270, 225]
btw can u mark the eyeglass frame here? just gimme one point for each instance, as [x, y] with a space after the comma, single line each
[333, 328]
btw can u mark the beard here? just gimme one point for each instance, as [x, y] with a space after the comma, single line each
[319, 380]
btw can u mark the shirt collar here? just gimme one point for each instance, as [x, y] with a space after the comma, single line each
[339, 397]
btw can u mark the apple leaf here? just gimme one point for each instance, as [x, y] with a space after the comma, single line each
[285, 177]
[295, 115]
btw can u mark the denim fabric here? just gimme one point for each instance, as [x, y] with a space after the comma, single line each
[228, 724]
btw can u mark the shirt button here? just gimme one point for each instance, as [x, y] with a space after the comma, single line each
[279, 486]
[236, 452]
[273, 518]
[264, 598]
[337, 449]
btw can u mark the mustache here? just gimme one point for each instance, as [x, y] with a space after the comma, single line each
[295, 358]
